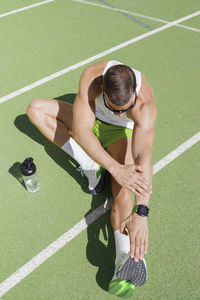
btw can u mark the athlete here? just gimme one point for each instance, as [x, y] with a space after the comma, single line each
[110, 127]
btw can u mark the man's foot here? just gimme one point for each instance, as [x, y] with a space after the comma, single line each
[121, 288]
[96, 178]
[127, 275]
[135, 272]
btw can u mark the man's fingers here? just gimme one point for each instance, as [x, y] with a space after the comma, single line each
[137, 249]
[137, 190]
[146, 245]
[143, 183]
[132, 246]
[141, 191]
[141, 249]
[133, 190]
[140, 181]
[136, 181]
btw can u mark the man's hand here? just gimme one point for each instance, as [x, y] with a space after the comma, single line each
[137, 228]
[132, 178]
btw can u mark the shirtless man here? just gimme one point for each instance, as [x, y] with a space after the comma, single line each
[110, 124]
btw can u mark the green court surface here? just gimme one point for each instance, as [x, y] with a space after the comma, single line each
[43, 40]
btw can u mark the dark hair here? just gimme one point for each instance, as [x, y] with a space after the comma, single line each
[119, 84]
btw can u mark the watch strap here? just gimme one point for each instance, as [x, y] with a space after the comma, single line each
[135, 208]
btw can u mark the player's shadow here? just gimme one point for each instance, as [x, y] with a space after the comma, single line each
[58, 155]
[100, 249]
[14, 170]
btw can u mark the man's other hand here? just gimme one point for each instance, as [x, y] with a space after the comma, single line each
[137, 228]
[132, 178]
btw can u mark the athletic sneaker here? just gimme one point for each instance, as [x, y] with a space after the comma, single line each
[136, 272]
[96, 178]
[128, 275]
[118, 287]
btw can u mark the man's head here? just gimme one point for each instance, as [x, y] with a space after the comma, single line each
[119, 84]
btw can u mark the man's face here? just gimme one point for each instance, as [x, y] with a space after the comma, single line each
[120, 110]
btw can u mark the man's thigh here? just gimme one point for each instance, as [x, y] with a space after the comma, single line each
[56, 109]
[121, 151]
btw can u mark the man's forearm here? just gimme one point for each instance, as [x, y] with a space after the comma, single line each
[145, 163]
[94, 149]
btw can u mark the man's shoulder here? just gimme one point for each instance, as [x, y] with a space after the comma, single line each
[96, 68]
[91, 81]
[145, 85]
[145, 117]
[146, 95]
[144, 113]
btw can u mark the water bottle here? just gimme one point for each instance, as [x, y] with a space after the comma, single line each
[28, 170]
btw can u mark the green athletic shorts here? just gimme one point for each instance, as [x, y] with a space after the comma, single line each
[107, 133]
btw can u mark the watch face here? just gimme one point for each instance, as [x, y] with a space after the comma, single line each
[143, 210]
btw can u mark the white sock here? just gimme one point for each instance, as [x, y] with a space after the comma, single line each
[77, 153]
[122, 245]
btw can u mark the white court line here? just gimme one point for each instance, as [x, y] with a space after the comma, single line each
[175, 153]
[95, 57]
[135, 14]
[41, 257]
[24, 8]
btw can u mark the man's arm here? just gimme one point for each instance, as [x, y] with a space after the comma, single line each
[84, 115]
[142, 153]
[142, 145]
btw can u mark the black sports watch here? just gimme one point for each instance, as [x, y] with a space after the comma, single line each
[141, 210]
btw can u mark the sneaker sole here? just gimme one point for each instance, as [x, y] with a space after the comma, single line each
[136, 272]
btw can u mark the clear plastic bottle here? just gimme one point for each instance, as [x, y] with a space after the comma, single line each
[28, 169]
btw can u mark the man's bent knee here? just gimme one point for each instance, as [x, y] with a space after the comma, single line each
[34, 105]
[35, 109]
